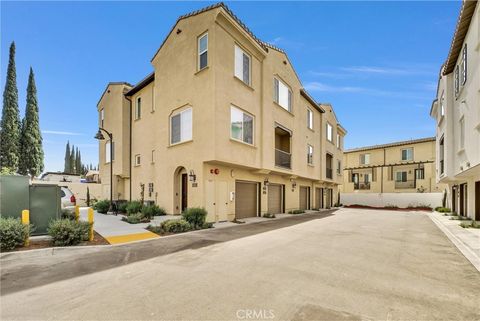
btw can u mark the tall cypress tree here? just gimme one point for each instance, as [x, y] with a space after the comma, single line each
[66, 167]
[31, 149]
[10, 123]
[79, 162]
[72, 160]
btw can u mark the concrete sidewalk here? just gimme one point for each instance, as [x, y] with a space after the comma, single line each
[467, 240]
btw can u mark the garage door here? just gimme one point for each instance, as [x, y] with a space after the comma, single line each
[275, 192]
[246, 199]
[319, 197]
[304, 194]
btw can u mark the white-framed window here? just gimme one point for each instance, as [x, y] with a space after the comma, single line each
[462, 132]
[339, 141]
[309, 118]
[138, 160]
[108, 156]
[339, 167]
[464, 65]
[241, 125]
[420, 173]
[442, 154]
[407, 154]
[282, 94]
[329, 133]
[203, 51]
[442, 105]
[364, 159]
[102, 116]
[310, 154]
[153, 156]
[138, 108]
[181, 126]
[457, 81]
[242, 65]
[401, 176]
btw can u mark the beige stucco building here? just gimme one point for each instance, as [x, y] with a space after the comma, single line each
[399, 167]
[456, 110]
[223, 122]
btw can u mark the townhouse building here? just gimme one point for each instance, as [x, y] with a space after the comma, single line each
[223, 122]
[456, 110]
[399, 167]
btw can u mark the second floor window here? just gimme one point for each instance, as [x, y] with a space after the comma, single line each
[242, 65]
[407, 154]
[109, 156]
[310, 154]
[329, 165]
[442, 105]
[102, 117]
[464, 65]
[339, 167]
[181, 126]
[339, 141]
[457, 81]
[203, 51]
[282, 94]
[365, 159]
[329, 133]
[441, 156]
[138, 160]
[309, 118]
[241, 126]
[138, 108]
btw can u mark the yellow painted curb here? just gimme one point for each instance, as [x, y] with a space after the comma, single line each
[117, 239]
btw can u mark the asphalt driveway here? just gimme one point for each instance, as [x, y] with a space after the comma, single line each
[354, 264]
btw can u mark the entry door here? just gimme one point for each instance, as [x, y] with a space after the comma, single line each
[328, 201]
[275, 198]
[454, 199]
[304, 197]
[184, 191]
[246, 199]
[477, 201]
[319, 197]
[216, 200]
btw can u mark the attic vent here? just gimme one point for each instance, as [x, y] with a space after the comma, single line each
[179, 31]
[284, 62]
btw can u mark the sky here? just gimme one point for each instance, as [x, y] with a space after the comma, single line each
[376, 62]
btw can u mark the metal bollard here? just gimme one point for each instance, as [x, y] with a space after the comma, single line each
[90, 220]
[77, 213]
[26, 221]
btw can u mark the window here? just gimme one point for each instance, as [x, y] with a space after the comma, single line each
[150, 189]
[242, 65]
[464, 65]
[462, 133]
[138, 108]
[310, 154]
[401, 176]
[407, 154]
[441, 156]
[137, 160]
[338, 141]
[108, 157]
[309, 118]
[456, 83]
[113, 151]
[364, 159]
[420, 173]
[339, 167]
[329, 133]
[153, 156]
[241, 126]
[203, 51]
[102, 116]
[181, 126]
[329, 164]
[282, 94]
[442, 105]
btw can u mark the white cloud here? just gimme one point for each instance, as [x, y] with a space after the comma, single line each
[57, 132]
[321, 87]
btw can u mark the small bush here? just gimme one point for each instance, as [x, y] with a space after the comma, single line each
[102, 206]
[442, 209]
[176, 226]
[153, 210]
[122, 207]
[207, 225]
[65, 232]
[68, 214]
[391, 206]
[296, 212]
[195, 216]
[133, 207]
[135, 218]
[157, 229]
[459, 218]
[268, 215]
[472, 224]
[13, 233]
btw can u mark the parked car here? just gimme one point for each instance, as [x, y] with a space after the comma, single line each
[68, 200]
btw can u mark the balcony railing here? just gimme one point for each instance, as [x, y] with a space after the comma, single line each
[283, 159]
[361, 186]
[329, 173]
[405, 184]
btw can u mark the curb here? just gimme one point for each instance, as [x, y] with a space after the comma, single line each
[471, 256]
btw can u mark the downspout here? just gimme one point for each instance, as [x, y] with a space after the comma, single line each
[130, 148]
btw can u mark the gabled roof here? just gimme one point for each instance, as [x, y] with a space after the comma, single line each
[466, 13]
[141, 84]
[113, 83]
[401, 143]
[214, 6]
[312, 101]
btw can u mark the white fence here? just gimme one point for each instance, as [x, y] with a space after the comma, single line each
[401, 200]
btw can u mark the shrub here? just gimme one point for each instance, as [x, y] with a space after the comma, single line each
[157, 229]
[13, 233]
[459, 218]
[66, 232]
[391, 206]
[102, 206]
[472, 224]
[296, 212]
[442, 209]
[176, 226]
[133, 207]
[153, 210]
[68, 214]
[122, 207]
[207, 225]
[195, 216]
[135, 218]
[268, 215]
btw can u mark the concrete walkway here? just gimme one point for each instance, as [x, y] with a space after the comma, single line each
[467, 240]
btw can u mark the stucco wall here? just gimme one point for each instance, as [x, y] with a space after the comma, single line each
[401, 200]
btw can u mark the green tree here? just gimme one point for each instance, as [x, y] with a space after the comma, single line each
[72, 160]
[88, 196]
[78, 163]
[66, 168]
[10, 123]
[31, 149]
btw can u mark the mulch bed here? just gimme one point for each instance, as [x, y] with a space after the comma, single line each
[426, 209]
[42, 244]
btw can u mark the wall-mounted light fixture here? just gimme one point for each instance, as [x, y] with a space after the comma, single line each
[294, 184]
[265, 181]
[192, 176]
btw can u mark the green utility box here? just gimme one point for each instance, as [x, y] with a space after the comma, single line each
[14, 195]
[44, 206]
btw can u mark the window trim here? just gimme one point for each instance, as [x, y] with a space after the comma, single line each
[244, 52]
[442, 105]
[276, 94]
[327, 126]
[137, 160]
[310, 120]
[173, 114]
[401, 154]
[365, 162]
[200, 53]
[138, 108]
[310, 154]
[464, 65]
[109, 159]
[456, 81]
[339, 167]
[253, 126]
